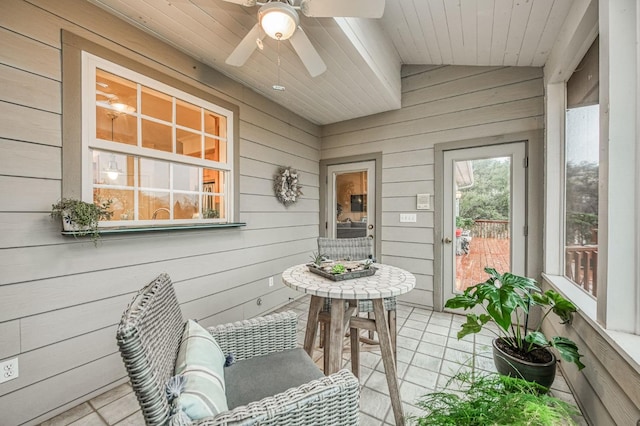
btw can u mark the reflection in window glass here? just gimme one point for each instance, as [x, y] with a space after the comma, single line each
[185, 178]
[185, 206]
[582, 136]
[154, 206]
[153, 174]
[581, 196]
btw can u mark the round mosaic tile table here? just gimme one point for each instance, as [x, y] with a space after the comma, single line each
[388, 281]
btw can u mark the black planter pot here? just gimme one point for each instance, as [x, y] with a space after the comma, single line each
[542, 374]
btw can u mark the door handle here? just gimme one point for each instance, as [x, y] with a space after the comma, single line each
[447, 240]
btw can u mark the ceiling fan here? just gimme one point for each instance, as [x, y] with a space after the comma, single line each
[279, 20]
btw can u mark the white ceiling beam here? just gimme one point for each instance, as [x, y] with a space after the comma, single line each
[378, 53]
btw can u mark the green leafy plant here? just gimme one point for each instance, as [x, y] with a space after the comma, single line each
[507, 297]
[492, 399]
[464, 222]
[338, 268]
[210, 214]
[84, 216]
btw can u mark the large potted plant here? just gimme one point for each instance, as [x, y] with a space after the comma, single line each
[80, 217]
[506, 300]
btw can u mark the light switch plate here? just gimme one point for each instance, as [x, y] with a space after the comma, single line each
[408, 217]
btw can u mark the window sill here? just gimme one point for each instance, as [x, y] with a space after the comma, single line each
[156, 228]
[626, 344]
[582, 300]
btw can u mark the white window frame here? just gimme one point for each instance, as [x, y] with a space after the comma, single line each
[555, 195]
[90, 63]
[617, 308]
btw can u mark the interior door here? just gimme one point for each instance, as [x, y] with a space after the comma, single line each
[483, 214]
[351, 200]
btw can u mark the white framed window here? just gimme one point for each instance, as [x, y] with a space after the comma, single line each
[163, 156]
[581, 173]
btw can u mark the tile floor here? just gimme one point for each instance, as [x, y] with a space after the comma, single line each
[428, 355]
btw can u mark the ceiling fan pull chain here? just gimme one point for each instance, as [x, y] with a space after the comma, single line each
[278, 86]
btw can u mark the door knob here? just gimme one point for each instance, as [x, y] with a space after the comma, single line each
[447, 240]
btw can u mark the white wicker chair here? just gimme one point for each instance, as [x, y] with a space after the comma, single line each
[149, 336]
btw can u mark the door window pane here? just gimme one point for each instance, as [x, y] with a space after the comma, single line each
[483, 212]
[351, 205]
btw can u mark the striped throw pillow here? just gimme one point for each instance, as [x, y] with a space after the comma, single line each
[201, 362]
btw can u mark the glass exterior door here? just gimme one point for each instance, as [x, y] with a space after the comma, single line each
[484, 214]
[351, 195]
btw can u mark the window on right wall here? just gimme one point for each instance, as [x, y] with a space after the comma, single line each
[581, 171]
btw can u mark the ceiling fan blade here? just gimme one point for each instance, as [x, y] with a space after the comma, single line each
[246, 47]
[342, 8]
[246, 3]
[307, 53]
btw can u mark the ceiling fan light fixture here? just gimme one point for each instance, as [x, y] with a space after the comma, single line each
[278, 20]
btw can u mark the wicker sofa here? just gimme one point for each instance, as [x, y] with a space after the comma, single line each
[150, 334]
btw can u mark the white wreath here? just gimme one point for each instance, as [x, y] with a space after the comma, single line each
[286, 186]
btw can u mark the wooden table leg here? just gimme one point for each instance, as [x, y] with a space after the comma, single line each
[355, 344]
[312, 323]
[388, 360]
[336, 337]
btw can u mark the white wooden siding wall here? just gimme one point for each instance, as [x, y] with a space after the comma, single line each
[61, 298]
[439, 104]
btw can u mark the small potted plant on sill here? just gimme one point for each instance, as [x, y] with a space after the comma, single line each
[517, 351]
[81, 217]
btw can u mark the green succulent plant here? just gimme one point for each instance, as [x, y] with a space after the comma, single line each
[338, 268]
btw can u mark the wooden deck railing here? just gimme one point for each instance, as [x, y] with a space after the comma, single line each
[483, 228]
[581, 267]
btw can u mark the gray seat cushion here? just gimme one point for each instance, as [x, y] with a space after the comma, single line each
[256, 378]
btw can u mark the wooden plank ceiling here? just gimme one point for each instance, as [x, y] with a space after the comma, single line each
[363, 56]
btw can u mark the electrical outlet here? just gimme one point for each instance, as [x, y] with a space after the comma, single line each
[8, 370]
[270, 281]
